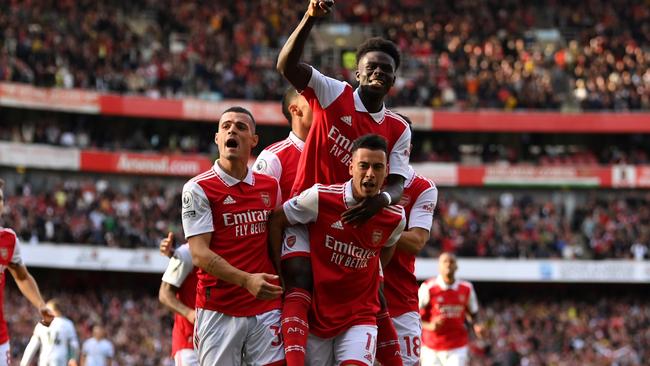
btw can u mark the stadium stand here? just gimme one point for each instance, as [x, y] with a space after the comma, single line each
[467, 54]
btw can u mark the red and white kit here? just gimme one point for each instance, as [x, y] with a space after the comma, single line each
[400, 285]
[236, 213]
[345, 262]
[451, 302]
[280, 160]
[9, 253]
[339, 118]
[181, 274]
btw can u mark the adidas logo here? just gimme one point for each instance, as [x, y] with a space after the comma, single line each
[229, 200]
[347, 120]
[338, 225]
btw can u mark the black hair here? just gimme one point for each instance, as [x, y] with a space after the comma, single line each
[370, 141]
[288, 97]
[238, 109]
[381, 45]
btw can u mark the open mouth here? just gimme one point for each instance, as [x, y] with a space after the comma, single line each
[368, 185]
[232, 143]
[377, 82]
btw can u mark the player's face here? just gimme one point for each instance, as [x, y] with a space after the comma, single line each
[236, 136]
[447, 265]
[376, 73]
[305, 111]
[368, 170]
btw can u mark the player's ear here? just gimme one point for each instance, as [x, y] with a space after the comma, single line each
[293, 109]
[356, 75]
[216, 135]
[256, 139]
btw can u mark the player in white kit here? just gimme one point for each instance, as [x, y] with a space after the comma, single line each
[58, 343]
[97, 351]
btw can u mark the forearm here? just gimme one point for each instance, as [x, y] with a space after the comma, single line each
[386, 255]
[412, 241]
[30, 351]
[394, 187]
[218, 267]
[291, 52]
[168, 298]
[29, 288]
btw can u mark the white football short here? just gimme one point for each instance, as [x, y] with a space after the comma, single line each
[409, 333]
[221, 339]
[453, 357]
[5, 354]
[186, 357]
[357, 344]
[295, 242]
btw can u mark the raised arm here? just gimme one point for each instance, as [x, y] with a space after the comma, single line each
[289, 65]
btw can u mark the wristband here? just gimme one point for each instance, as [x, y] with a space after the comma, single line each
[389, 197]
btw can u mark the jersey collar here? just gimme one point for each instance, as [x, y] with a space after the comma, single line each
[348, 196]
[359, 107]
[441, 283]
[230, 180]
[296, 141]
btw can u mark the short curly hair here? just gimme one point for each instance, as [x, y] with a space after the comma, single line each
[381, 45]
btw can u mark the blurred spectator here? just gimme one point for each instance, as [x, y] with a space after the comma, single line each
[458, 54]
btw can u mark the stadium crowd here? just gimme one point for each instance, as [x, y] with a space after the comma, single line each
[138, 135]
[599, 226]
[138, 326]
[459, 54]
[580, 224]
[95, 212]
[518, 332]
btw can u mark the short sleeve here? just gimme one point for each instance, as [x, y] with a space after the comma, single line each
[421, 214]
[424, 296]
[472, 301]
[195, 212]
[179, 267]
[398, 160]
[268, 163]
[17, 258]
[303, 208]
[326, 89]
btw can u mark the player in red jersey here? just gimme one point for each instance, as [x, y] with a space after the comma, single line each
[10, 259]
[224, 212]
[446, 303]
[341, 114]
[400, 285]
[280, 160]
[345, 257]
[178, 292]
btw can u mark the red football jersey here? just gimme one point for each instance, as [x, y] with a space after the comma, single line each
[339, 117]
[450, 302]
[9, 253]
[400, 285]
[236, 213]
[280, 160]
[345, 260]
[182, 274]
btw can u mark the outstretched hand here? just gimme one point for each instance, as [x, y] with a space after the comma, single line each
[360, 213]
[259, 285]
[319, 8]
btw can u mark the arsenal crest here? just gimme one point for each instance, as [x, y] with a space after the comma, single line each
[376, 236]
[4, 253]
[266, 199]
[291, 241]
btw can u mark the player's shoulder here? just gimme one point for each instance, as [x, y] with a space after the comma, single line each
[396, 118]
[7, 231]
[206, 175]
[394, 210]
[338, 188]
[261, 178]
[465, 284]
[278, 147]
